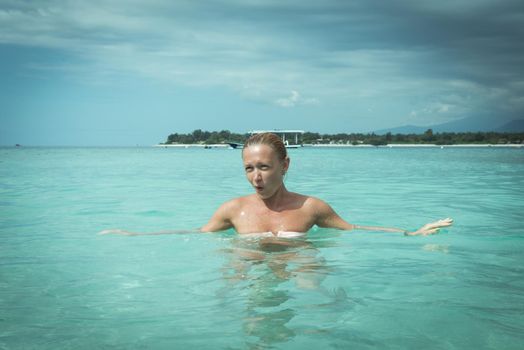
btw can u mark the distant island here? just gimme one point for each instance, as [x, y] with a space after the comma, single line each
[312, 138]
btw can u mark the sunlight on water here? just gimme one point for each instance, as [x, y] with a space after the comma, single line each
[63, 286]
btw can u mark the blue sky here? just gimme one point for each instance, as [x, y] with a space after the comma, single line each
[131, 72]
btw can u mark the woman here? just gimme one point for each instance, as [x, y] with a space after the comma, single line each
[273, 211]
[272, 208]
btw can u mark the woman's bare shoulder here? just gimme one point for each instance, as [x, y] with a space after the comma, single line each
[236, 203]
[325, 215]
[315, 202]
[312, 203]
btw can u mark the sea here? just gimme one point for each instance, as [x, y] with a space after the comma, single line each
[64, 286]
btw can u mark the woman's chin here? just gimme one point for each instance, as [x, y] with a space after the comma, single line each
[263, 195]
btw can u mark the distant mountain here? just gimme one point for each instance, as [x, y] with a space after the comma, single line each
[516, 125]
[406, 129]
[470, 124]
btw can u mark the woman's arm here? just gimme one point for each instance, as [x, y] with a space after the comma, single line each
[220, 221]
[129, 233]
[327, 217]
[428, 229]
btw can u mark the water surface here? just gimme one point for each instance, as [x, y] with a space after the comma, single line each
[63, 286]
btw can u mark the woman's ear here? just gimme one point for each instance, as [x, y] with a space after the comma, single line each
[286, 164]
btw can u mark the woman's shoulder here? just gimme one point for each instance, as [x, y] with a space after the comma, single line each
[237, 202]
[312, 202]
[307, 198]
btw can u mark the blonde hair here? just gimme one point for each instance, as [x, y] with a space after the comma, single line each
[269, 139]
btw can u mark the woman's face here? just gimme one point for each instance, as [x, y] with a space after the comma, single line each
[264, 171]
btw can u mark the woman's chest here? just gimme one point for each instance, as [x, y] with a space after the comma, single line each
[264, 220]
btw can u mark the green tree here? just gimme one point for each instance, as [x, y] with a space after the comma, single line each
[428, 136]
[197, 135]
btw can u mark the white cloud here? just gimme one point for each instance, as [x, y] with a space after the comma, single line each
[437, 112]
[295, 99]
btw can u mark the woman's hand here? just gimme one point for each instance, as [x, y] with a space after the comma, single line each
[431, 228]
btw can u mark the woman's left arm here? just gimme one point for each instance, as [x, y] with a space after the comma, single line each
[327, 217]
[427, 229]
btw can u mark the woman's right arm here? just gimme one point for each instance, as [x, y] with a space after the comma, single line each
[220, 221]
[129, 233]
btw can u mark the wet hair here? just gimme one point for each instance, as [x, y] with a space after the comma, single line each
[270, 139]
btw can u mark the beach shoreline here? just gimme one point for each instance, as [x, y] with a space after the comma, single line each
[424, 145]
[193, 145]
[396, 145]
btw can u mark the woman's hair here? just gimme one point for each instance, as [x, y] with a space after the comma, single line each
[270, 139]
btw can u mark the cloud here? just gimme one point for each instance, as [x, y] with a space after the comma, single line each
[435, 112]
[294, 99]
[408, 51]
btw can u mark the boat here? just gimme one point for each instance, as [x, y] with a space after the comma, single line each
[235, 145]
[292, 146]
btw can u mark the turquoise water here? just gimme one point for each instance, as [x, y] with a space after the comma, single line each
[64, 286]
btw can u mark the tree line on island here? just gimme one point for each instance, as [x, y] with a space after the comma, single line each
[428, 137]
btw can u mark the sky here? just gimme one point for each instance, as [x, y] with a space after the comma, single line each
[131, 72]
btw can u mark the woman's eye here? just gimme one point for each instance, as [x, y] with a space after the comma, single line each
[249, 169]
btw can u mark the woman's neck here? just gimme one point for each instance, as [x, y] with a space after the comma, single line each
[276, 201]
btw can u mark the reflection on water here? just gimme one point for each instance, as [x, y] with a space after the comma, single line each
[262, 270]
